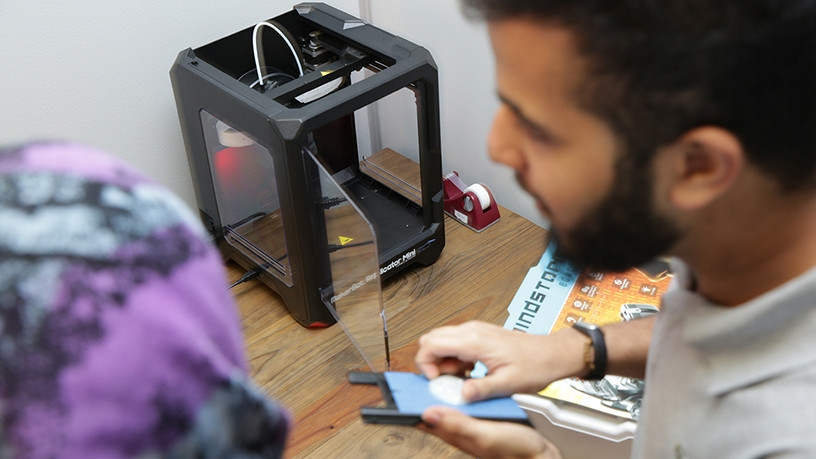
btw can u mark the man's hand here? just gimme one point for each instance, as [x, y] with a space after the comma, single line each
[517, 362]
[486, 439]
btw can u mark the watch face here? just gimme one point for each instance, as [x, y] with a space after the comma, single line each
[585, 326]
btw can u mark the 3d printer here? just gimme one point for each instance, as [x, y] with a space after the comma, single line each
[280, 123]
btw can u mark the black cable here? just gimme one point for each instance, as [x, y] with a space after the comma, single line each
[255, 272]
[248, 276]
[328, 203]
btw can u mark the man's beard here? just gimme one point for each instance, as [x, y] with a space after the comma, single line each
[624, 230]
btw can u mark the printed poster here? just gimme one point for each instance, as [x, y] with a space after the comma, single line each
[555, 294]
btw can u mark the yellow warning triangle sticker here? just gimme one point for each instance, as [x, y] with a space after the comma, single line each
[325, 72]
[345, 240]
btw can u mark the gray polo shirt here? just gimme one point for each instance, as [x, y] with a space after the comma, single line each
[731, 382]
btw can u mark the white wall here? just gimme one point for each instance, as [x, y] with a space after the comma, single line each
[96, 71]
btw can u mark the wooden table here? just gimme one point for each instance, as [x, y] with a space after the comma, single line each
[306, 369]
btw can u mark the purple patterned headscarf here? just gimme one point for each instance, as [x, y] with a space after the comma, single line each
[118, 337]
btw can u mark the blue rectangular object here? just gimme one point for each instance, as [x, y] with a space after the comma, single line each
[412, 396]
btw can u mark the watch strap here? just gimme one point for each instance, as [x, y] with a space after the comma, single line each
[597, 364]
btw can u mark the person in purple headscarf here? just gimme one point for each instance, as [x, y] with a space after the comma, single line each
[118, 337]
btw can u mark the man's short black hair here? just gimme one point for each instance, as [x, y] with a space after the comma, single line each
[661, 68]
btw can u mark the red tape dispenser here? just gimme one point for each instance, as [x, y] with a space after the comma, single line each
[472, 205]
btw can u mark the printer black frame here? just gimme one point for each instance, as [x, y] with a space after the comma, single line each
[206, 79]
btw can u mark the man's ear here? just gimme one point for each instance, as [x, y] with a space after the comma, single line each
[706, 162]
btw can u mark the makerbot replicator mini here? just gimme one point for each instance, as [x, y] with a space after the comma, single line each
[292, 177]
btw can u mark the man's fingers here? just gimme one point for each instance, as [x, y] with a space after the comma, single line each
[493, 385]
[449, 425]
[459, 342]
[486, 439]
[453, 366]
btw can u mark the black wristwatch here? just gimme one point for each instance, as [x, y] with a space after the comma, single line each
[596, 365]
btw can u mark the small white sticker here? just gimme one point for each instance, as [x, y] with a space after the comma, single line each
[447, 389]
